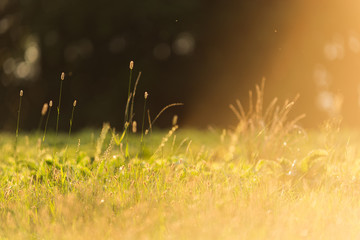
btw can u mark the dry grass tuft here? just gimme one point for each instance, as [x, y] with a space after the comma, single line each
[263, 130]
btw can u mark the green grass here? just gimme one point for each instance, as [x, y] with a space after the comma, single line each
[192, 191]
[263, 178]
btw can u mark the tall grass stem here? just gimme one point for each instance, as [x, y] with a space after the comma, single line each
[58, 108]
[47, 120]
[18, 119]
[43, 113]
[143, 119]
[126, 117]
[72, 117]
[133, 98]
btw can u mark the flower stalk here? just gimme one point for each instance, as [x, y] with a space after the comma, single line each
[72, 117]
[47, 119]
[62, 77]
[18, 120]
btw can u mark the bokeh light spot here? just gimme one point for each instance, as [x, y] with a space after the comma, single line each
[330, 103]
[325, 100]
[334, 49]
[184, 44]
[9, 66]
[354, 43]
[23, 70]
[32, 54]
[322, 77]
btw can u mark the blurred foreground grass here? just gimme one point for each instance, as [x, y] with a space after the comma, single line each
[184, 185]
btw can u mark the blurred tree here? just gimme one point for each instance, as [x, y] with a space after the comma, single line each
[93, 42]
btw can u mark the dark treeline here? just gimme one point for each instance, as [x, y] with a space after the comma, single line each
[202, 53]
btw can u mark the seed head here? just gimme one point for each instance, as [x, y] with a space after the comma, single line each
[134, 126]
[131, 65]
[174, 120]
[74, 104]
[146, 95]
[50, 103]
[62, 76]
[146, 132]
[21, 93]
[44, 109]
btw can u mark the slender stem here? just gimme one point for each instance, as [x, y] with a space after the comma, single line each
[127, 117]
[47, 120]
[162, 110]
[43, 112]
[133, 99]
[149, 119]
[130, 77]
[58, 108]
[143, 121]
[18, 120]
[72, 117]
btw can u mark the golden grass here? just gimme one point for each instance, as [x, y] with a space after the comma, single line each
[267, 178]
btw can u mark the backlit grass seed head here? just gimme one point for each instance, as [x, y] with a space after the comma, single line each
[134, 126]
[44, 109]
[146, 95]
[50, 103]
[174, 120]
[131, 66]
[62, 76]
[74, 104]
[21, 93]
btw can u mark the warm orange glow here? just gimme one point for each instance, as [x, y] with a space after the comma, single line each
[322, 52]
[315, 51]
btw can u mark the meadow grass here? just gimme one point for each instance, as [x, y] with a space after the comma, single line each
[185, 191]
[263, 178]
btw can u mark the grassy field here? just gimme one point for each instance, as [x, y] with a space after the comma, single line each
[263, 178]
[183, 184]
